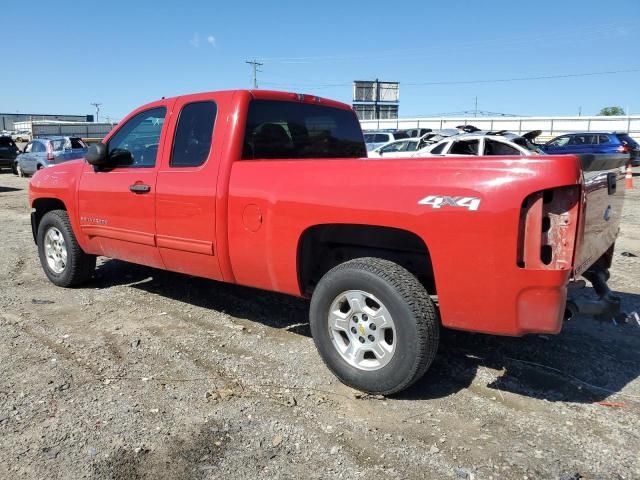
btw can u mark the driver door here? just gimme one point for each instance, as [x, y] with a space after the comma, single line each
[116, 204]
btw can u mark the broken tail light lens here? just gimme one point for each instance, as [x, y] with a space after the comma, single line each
[548, 226]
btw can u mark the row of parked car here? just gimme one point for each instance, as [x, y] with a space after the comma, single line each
[17, 136]
[39, 153]
[468, 140]
[43, 152]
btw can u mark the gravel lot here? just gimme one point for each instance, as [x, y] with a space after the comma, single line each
[150, 374]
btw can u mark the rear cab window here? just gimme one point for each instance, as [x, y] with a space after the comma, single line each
[292, 130]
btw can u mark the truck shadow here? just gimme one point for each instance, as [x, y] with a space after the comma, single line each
[587, 362]
[268, 308]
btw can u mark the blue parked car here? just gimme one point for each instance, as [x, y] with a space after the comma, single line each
[594, 142]
[46, 152]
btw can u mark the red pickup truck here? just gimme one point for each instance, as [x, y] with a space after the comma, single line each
[273, 190]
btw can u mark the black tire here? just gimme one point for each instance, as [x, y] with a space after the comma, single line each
[79, 266]
[413, 312]
[14, 168]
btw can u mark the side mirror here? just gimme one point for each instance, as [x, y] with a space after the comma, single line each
[97, 155]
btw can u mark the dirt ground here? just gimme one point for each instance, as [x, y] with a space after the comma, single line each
[154, 375]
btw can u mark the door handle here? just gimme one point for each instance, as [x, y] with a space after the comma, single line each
[139, 188]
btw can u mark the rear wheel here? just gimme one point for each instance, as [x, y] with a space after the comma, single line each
[62, 259]
[374, 325]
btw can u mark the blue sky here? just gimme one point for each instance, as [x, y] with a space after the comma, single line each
[125, 53]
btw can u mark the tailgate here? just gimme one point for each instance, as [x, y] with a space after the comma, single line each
[604, 190]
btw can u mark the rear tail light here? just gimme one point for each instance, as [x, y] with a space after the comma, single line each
[50, 156]
[624, 148]
[548, 226]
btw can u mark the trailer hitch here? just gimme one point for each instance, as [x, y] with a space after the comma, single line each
[605, 308]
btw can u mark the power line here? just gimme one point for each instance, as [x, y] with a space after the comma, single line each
[469, 82]
[433, 49]
[255, 64]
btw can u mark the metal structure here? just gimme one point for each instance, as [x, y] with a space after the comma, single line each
[47, 128]
[550, 126]
[8, 120]
[97, 105]
[376, 100]
[255, 64]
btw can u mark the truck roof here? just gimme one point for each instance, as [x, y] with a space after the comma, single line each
[277, 95]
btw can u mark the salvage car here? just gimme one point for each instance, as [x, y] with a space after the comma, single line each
[482, 143]
[273, 190]
[46, 152]
[595, 142]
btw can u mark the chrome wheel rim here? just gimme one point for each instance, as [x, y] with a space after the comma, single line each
[362, 330]
[55, 250]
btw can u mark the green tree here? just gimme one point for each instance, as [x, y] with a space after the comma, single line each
[611, 111]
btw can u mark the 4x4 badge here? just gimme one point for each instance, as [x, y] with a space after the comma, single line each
[435, 201]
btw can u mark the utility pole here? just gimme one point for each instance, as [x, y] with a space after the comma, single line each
[475, 109]
[255, 64]
[580, 111]
[97, 105]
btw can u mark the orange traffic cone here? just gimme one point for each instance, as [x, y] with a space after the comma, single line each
[628, 178]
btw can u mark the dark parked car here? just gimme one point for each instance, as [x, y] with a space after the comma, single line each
[594, 142]
[8, 152]
[46, 152]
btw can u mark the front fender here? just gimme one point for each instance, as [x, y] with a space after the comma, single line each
[50, 187]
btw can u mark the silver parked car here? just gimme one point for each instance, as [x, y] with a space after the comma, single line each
[484, 143]
[377, 138]
[46, 152]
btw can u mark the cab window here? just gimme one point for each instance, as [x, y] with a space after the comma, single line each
[135, 144]
[193, 136]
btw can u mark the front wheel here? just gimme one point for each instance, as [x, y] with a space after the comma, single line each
[374, 325]
[62, 259]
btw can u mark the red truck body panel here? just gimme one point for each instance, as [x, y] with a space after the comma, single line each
[241, 221]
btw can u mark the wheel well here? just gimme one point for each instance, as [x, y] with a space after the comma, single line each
[41, 207]
[322, 247]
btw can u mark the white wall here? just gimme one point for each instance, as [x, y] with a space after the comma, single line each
[550, 126]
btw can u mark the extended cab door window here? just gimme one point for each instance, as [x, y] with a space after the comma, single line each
[192, 141]
[136, 143]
